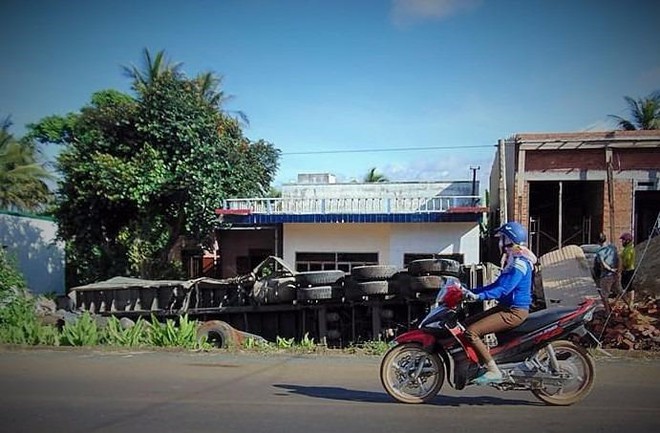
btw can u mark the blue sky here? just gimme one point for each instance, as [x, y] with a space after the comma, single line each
[323, 76]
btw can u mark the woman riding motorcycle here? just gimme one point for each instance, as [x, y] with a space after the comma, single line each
[512, 290]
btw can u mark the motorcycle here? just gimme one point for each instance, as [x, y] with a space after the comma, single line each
[544, 355]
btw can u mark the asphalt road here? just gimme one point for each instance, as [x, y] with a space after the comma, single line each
[148, 392]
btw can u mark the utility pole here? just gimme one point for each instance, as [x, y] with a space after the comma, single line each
[474, 183]
[503, 198]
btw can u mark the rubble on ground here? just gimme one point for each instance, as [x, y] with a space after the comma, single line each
[627, 329]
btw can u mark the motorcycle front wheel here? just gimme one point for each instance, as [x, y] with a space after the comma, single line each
[411, 374]
[579, 369]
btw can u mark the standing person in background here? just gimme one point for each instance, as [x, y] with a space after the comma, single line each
[628, 268]
[606, 270]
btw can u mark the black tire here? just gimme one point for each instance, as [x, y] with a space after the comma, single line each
[352, 290]
[373, 272]
[217, 333]
[434, 267]
[375, 288]
[319, 278]
[575, 361]
[402, 280]
[274, 291]
[318, 293]
[425, 284]
[398, 366]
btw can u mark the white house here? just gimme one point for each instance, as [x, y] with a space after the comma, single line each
[320, 224]
[31, 239]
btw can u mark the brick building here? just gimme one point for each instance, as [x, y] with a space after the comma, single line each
[569, 187]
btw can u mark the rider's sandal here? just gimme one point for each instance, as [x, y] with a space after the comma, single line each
[488, 378]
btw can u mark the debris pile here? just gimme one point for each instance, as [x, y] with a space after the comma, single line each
[627, 329]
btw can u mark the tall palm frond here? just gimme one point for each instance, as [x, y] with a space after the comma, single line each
[373, 177]
[644, 112]
[22, 177]
[209, 87]
[152, 68]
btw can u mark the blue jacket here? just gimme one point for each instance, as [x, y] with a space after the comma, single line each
[513, 288]
[606, 261]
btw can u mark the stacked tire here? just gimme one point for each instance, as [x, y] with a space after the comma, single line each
[374, 281]
[275, 291]
[318, 286]
[426, 275]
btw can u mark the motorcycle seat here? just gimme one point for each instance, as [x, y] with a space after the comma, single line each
[535, 321]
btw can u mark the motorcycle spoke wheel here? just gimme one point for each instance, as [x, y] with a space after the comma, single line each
[411, 374]
[578, 367]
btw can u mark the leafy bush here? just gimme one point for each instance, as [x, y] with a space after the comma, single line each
[84, 332]
[169, 335]
[308, 343]
[18, 322]
[12, 282]
[284, 343]
[257, 344]
[19, 325]
[136, 335]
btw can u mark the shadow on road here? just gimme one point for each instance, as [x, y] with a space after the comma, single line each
[344, 394]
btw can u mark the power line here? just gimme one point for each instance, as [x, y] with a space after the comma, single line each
[392, 149]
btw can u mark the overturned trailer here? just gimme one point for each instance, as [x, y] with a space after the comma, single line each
[371, 303]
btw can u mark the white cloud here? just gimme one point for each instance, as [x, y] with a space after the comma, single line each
[407, 12]
[600, 125]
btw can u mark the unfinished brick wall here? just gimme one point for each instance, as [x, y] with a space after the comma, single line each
[623, 209]
[521, 206]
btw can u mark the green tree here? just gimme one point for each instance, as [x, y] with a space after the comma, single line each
[644, 112]
[143, 175]
[23, 177]
[373, 176]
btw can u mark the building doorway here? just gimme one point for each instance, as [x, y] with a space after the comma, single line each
[647, 208]
[564, 213]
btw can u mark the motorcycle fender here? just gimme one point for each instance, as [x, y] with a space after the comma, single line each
[425, 339]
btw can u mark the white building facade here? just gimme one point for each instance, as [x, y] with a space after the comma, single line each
[319, 224]
[31, 240]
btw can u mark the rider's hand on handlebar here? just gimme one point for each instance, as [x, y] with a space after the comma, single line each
[469, 296]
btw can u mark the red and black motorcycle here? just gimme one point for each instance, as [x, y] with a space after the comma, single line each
[544, 355]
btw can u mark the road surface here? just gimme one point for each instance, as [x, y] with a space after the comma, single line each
[87, 390]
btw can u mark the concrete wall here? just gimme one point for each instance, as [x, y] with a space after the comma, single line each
[390, 241]
[40, 258]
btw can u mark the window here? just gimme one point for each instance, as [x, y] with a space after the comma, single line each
[328, 261]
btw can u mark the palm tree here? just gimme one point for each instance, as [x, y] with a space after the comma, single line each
[22, 178]
[152, 68]
[209, 87]
[373, 177]
[645, 113]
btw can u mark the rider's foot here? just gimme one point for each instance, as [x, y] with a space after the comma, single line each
[488, 377]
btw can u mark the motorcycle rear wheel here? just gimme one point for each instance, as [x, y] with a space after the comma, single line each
[398, 373]
[575, 361]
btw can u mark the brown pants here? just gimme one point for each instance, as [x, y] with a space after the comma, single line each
[496, 319]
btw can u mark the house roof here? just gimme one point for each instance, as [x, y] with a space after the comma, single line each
[588, 140]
